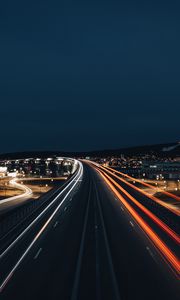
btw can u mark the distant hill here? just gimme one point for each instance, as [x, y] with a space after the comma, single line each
[169, 149]
[162, 150]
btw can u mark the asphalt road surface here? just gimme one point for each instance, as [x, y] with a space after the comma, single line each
[87, 246]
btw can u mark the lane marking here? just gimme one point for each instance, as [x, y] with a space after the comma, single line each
[131, 223]
[37, 254]
[55, 224]
[150, 252]
[122, 208]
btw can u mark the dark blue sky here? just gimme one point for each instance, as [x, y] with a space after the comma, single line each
[84, 75]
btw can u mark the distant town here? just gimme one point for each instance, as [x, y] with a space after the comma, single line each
[48, 199]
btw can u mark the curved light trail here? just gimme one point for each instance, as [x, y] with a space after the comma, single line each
[27, 191]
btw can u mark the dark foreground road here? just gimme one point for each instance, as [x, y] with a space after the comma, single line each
[91, 249]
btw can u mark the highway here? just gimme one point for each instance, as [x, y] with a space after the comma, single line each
[90, 242]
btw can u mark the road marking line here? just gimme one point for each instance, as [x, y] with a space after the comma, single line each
[122, 208]
[37, 254]
[149, 250]
[55, 224]
[65, 208]
[131, 223]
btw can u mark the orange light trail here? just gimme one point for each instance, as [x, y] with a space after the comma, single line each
[145, 184]
[138, 189]
[155, 219]
[168, 255]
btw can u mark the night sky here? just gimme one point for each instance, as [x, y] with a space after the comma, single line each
[86, 75]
